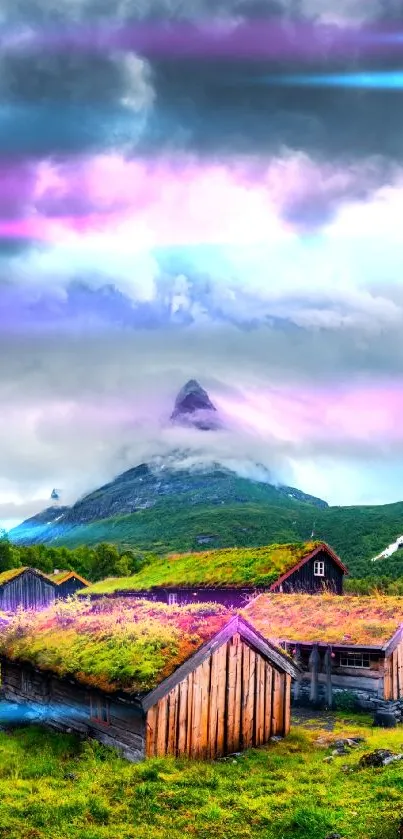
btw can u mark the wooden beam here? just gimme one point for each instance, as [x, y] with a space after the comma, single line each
[247, 697]
[387, 685]
[205, 707]
[395, 689]
[259, 700]
[151, 730]
[161, 743]
[221, 699]
[268, 701]
[287, 704]
[172, 700]
[276, 718]
[183, 711]
[327, 666]
[238, 694]
[189, 715]
[314, 663]
[298, 680]
[213, 717]
[231, 681]
[196, 713]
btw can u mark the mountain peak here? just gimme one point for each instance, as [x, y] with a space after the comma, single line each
[193, 407]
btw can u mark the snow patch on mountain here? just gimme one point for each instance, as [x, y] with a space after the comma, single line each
[391, 549]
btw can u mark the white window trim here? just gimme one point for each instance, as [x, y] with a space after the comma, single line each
[319, 568]
[172, 599]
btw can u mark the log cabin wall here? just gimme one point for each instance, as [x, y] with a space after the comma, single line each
[234, 700]
[230, 597]
[29, 590]
[365, 683]
[63, 705]
[393, 674]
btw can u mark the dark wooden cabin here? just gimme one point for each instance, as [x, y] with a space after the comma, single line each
[232, 576]
[25, 588]
[67, 583]
[233, 692]
[349, 645]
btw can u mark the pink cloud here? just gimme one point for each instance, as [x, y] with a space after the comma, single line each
[182, 201]
[338, 413]
[289, 415]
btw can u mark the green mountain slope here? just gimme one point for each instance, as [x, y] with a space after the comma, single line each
[356, 533]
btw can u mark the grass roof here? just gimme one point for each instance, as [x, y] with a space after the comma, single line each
[63, 576]
[57, 578]
[119, 644]
[6, 576]
[225, 567]
[326, 618]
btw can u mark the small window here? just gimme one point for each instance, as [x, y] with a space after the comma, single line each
[355, 660]
[319, 568]
[99, 710]
[172, 599]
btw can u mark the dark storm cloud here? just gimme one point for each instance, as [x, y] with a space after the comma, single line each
[202, 105]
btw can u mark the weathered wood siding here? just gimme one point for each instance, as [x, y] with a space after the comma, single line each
[68, 588]
[393, 674]
[231, 597]
[64, 705]
[234, 700]
[29, 590]
[366, 683]
[304, 579]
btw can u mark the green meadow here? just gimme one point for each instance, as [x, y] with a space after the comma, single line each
[54, 786]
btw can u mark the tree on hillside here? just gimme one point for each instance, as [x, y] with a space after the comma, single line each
[106, 559]
[9, 554]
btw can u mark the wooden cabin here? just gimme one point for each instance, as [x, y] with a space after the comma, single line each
[25, 588]
[67, 583]
[196, 681]
[342, 645]
[231, 576]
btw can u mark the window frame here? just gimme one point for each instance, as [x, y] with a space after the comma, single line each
[174, 601]
[99, 706]
[351, 660]
[319, 563]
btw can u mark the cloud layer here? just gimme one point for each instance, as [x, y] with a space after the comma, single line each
[163, 217]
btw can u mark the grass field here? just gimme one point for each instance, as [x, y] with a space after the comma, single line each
[54, 787]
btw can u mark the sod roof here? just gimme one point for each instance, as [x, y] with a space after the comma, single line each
[115, 645]
[63, 576]
[223, 568]
[326, 618]
[6, 576]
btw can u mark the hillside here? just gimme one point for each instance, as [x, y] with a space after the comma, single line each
[164, 506]
[356, 533]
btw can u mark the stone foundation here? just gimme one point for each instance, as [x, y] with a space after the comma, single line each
[364, 700]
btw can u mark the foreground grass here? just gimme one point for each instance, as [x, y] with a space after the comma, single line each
[54, 787]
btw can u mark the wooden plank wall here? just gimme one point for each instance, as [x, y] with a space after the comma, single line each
[234, 700]
[393, 674]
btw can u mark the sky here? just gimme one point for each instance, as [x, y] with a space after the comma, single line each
[209, 189]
